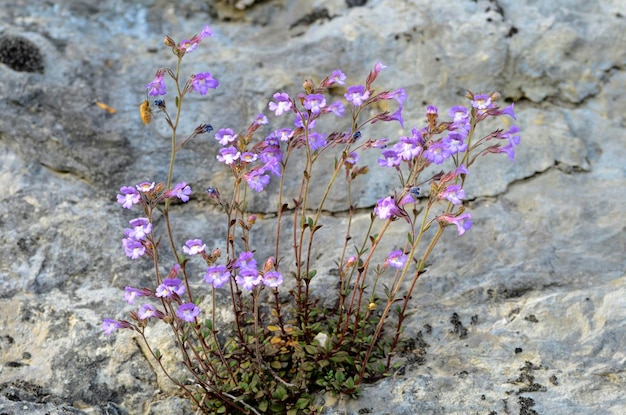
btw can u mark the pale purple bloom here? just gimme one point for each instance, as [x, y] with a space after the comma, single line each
[261, 119]
[157, 86]
[141, 227]
[188, 45]
[201, 82]
[379, 67]
[146, 311]
[453, 193]
[300, 118]
[257, 179]
[248, 279]
[337, 77]
[248, 157]
[170, 287]
[225, 136]
[437, 153]
[128, 197]
[246, 261]
[194, 247]
[432, 110]
[272, 165]
[217, 275]
[459, 114]
[390, 159]
[314, 103]
[181, 191]
[337, 108]
[316, 141]
[145, 187]
[188, 312]
[282, 104]
[463, 222]
[131, 293]
[455, 142]
[396, 259]
[407, 148]
[110, 325]
[352, 158]
[356, 95]
[133, 248]
[272, 279]
[482, 102]
[386, 208]
[228, 155]
[284, 134]
[511, 135]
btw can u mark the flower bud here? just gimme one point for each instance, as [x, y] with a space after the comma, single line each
[308, 86]
[269, 264]
[168, 41]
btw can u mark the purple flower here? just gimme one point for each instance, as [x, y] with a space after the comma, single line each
[170, 287]
[396, 259]
[145, 187]
[300, 118]
[157, 86]
[146, 311]
[188, 45]
[272, 279]
[248, 279]
[282, 104]
[194, 247]
[181, 191]
[455, 142]
[463, 222]
[459, 114]
[482, 102]
[316, 141]
[407, 148]
[201, 82]
[246, 261]
[437, 153]
[314, 103]
[141, 227]
[453, 193]
[133, 248]
[225, 136]
[131, 293]
[337, 77]
[128, 197]
[386, 208]
[390, 159]
[256, 179]
[248, 157]
[507, 111]
[217, 275]
[356, 95]
[261, 119]
[379, 67]
[337, 108]
[284, 134]
[228, 155]
[110, 325]
[511, 135]
[352, 158]
[188, 312]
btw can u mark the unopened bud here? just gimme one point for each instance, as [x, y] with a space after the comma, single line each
[269, 264]
[251, 220]
[308, 86]
[168, 41]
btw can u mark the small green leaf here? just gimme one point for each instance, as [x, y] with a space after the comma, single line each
[303, 403]
[280, 393]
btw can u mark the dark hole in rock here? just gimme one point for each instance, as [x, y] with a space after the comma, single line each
[20, 54]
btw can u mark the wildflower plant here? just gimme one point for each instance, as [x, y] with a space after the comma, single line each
[285, 344]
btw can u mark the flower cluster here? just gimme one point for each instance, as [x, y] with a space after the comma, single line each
[296, 339]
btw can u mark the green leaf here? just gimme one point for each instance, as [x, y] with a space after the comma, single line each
[303, 403]
[262, 406]
[280, 393]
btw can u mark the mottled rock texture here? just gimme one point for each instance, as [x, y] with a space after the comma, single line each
[525, 314]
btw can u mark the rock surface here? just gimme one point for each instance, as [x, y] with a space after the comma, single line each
[525, 314]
